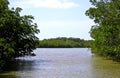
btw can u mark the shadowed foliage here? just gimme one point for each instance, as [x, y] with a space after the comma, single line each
[106, 32]
[17, 33]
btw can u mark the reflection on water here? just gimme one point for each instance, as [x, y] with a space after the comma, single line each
[103, 68]
[62, 63]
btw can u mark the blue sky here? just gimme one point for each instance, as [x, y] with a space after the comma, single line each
[58, 18]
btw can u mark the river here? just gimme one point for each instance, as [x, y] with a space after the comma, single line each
[62, 63]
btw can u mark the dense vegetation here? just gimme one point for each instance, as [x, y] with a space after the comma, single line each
[17, 33]
[106, 32]
[63, 42]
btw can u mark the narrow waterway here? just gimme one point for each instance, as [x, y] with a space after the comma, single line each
[62, 63]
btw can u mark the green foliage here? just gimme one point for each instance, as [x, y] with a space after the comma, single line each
[17, 33]
[63, 42]
[106, 35]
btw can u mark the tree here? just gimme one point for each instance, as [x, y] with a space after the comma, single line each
[17, 33]
[106, 35]
[63, 42]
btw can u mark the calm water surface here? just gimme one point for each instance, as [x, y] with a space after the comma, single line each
[62, 63]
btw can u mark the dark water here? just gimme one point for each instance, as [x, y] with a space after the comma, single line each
[62, 63]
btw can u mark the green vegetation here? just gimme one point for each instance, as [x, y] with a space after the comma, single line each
[17, 33]
[106, 32]
[63, 42]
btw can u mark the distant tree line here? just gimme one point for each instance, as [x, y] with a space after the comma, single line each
[106, 32]
[17, 33]
[63, 42]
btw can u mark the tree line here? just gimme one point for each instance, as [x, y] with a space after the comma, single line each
[63, 42]
[106, 31]
[17, 33]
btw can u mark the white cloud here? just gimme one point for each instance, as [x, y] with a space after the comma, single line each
[46, 3]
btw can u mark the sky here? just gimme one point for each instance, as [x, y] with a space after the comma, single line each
[58, 18]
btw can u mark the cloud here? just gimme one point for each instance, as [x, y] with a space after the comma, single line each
[46, 3]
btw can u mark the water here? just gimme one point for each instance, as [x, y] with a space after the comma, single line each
[62, 63]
